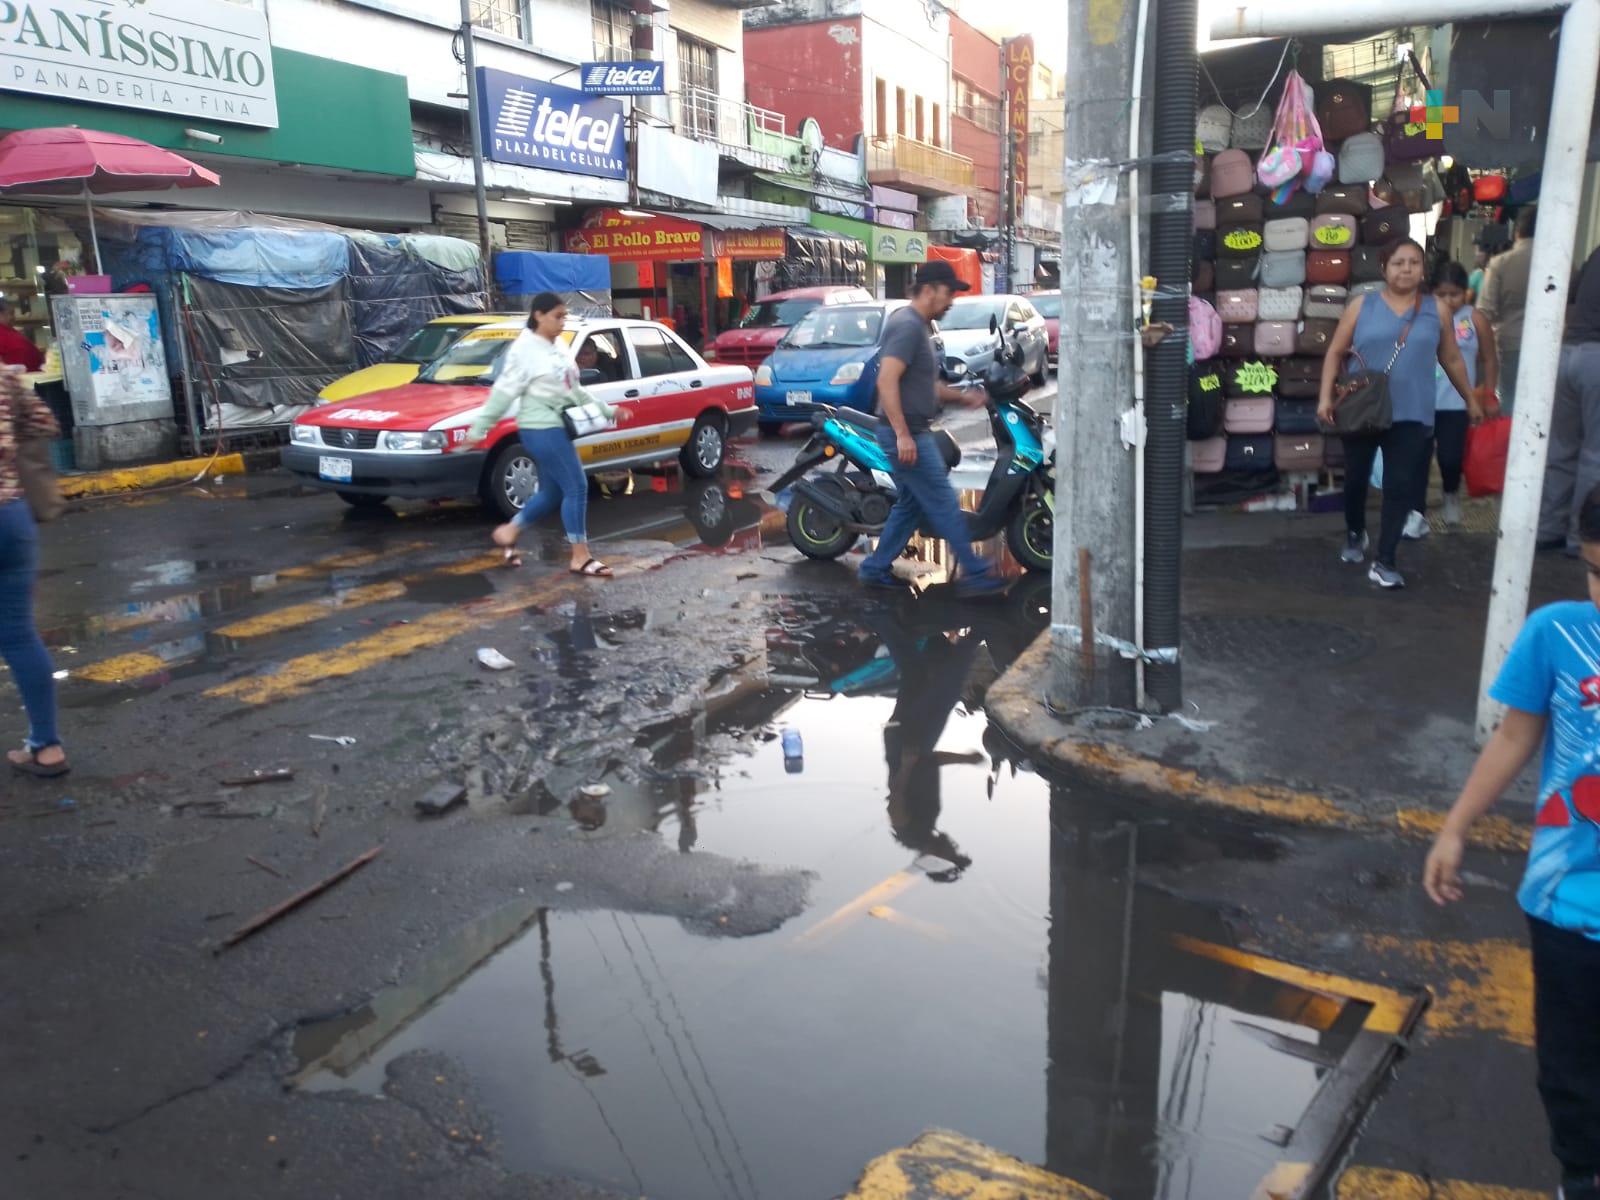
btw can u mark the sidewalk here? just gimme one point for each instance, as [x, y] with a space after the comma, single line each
[1331, 703]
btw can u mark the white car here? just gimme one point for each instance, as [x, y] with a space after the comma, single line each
[967, 334]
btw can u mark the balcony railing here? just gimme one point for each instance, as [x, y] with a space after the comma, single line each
[703, 114]
[907, 156]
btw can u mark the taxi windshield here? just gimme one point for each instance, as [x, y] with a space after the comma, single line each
[428, 343]
[476, 358]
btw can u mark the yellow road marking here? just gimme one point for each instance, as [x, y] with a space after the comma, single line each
[296, 615]
[892, 916]
[127, 479]
[349, 558]
[877, 894]
[300, 675]
[947, 1166]
[120, 668]
[1371, 1183]
[1391, 1009]
[1484, 986]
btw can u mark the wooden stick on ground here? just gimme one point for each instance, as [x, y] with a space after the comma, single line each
[262, 920]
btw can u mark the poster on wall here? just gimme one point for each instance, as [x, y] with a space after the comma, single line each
[113, 357]
[191, 58]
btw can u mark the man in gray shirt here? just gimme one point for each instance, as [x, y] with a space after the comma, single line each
[909, 396]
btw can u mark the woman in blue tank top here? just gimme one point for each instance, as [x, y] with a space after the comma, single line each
[1402, 330]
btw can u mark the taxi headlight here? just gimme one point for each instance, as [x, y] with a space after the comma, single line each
[764, 375]
[432, 440]
[306, 435]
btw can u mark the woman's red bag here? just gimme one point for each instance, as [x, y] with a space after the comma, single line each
[1485, 464]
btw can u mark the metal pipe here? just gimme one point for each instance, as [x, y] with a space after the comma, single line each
[469, 56]
[1561, 188]
[1167, 362]
[1293, 18]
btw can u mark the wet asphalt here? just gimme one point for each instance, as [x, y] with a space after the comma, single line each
[655, 952]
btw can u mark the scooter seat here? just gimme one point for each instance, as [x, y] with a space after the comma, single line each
[861, 420]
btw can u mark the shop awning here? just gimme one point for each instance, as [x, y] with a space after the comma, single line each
[652, 238]
[884, 245]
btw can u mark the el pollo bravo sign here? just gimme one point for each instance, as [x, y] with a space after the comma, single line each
[637, 239]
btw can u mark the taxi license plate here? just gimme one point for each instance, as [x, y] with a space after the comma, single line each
[335, 470]
[798, 397]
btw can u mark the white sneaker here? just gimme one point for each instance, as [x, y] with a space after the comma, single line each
[1355, 548]
[1416, 528]
[1452, 509]
[1386, 577]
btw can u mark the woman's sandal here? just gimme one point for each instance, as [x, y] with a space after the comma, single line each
[594, 568]
[513, 556]
[32, 766]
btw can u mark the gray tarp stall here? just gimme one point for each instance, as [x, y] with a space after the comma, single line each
[818, 259]
[267, 347]
[398, 284]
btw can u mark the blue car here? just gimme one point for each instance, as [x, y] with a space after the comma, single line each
[830, 357]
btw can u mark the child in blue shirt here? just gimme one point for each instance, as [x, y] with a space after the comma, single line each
[1550, 684]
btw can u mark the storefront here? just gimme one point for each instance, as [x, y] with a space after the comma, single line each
[892, 254]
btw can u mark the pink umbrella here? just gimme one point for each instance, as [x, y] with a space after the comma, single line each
[68, 161]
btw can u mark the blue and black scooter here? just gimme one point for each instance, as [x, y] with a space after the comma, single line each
[852, 493]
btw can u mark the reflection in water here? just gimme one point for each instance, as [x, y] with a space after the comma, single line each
[681, 1065]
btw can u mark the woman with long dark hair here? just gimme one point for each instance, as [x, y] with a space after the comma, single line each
[1402, 332]
[538, 381]
[24, 416]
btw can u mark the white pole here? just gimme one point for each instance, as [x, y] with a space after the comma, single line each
[1136, 255]
[1294, 18]
[1560, 191]
[94, 237]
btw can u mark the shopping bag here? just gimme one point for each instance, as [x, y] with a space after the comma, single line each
[1485, 465]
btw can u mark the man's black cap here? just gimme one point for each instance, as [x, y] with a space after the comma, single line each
[938, 271]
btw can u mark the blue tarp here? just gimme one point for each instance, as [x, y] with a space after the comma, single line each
[528, 272]
[254, 257]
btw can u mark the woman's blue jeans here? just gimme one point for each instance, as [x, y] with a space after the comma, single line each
[20, 644]
[562, 483]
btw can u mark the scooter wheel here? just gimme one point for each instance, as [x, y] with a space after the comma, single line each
[816, 533]
[1030, 536]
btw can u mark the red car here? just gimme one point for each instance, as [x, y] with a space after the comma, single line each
[1049, 306]
[766, 322]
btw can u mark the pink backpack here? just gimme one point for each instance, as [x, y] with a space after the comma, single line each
[1205, 329]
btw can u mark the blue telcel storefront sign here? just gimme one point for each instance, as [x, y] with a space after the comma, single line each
[533, 124]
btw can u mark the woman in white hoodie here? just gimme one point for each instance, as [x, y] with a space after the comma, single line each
[538, 381]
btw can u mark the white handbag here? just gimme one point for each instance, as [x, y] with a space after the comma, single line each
[1279, 304]
[583, 419]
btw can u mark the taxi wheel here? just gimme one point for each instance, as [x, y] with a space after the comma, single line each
[359, 500]
[708, 442]
[512, 480]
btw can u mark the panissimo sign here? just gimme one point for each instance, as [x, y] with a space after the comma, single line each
[189, 58]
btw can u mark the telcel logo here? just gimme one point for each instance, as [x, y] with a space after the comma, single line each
[623, 78]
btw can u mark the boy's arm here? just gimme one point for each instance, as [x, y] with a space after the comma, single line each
[1502, 760]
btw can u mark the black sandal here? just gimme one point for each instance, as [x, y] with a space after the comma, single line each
[38, 770]
[594, 569]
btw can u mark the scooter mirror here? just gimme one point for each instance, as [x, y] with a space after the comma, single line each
[994, 324]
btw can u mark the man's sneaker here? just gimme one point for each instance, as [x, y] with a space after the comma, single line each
[1416, 527]
[1386, 577]
[880, 579]
[1452, 509]
[1355, 548]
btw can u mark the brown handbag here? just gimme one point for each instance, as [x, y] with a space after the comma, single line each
[1362, 402]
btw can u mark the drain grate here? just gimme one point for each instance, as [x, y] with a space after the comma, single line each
[1266, 641]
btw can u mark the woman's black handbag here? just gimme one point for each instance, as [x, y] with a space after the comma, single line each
[1362, 405]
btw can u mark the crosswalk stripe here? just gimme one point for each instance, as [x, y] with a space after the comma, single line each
[953, 1167]
[1484, 986]
[300, 675]
[1373, 1183]
[122, 667]
[347, 559]
[295, 615]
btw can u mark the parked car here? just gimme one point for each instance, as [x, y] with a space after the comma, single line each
[967, 335]
[760, 329]
[830, 357]
[410, 441]
[1049, 306]
[420, 349]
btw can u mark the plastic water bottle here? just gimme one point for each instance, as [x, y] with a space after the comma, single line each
[794, 752]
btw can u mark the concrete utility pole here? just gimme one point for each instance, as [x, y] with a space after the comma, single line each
[469, 59]
[1093, 590]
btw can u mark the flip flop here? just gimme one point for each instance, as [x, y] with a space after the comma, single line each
[513, 557]
[594, 568]
[38, 770]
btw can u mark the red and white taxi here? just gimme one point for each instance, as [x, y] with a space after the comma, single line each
[411, 441]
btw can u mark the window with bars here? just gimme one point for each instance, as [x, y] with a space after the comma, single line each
[507, 17]
[613, 31]
[971, 104]
[697, 79]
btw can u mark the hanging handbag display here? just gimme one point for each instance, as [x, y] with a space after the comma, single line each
[1489, 189]
[1202, 175]
[1253, 378]
[581, 420]
[1213, 128]
[1331, 231]
[1350, 199]
[1362, 404]
[1298, 205]
[1405, 140]
[1285, 233]
[1365, 266]
[1314, 335]
[1279, 303]
[1237, 307]
[1300, 378]
[1275, 339]
[1204, 277]
[1326, 301]
[1293, 140]
[1205, 402]
[1233, 273]
[1298, 451]
[1238, 341]
[1207, 457]
[1328, 267]
[1232, 175]
[1239, 210]
[1361, 158]
[1205, 215]
[1384, 225]
[1283, 268]
[1242, 241]
[1343, 108]
[1249, 453]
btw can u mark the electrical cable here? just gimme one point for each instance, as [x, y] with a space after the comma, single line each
[1277, 71]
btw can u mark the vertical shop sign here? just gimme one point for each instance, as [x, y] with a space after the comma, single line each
[1019, 85]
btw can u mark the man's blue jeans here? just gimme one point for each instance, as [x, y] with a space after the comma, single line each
[926, 501]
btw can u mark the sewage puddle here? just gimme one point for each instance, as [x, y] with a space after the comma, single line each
[979, 955]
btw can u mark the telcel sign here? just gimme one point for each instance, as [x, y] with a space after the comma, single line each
[625, 78]
[534, 124]
[192, 58]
